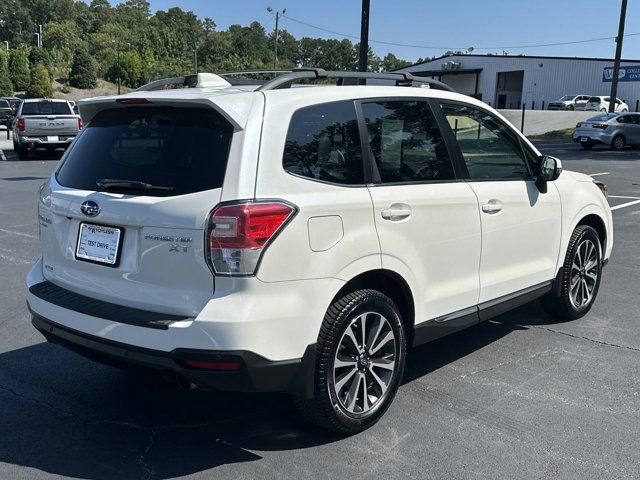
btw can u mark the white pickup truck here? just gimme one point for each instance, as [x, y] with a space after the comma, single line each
[44, 123]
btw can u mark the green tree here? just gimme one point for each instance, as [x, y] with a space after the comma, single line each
[131, 70]
[39, 55]
[6, 88]
[40, 85]
[390, 63]
[19, 68]
[82, 73]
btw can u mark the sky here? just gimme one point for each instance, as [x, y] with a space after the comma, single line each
[487, 25]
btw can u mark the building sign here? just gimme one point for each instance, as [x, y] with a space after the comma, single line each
[627, 74]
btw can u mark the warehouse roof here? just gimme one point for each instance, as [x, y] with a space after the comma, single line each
[610, 60]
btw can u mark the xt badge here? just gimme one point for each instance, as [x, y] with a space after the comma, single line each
[174, 247]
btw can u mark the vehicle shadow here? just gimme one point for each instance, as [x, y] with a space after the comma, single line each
[34, 155]
[67, 416]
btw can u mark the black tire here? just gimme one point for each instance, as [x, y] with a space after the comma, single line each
[327, 408]
[587, 146]
[570, 107]
[22, 152]
[618, 142]
[565, 306]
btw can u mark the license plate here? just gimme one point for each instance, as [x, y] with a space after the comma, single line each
[99, 244]
[52, 139]
[584, 139]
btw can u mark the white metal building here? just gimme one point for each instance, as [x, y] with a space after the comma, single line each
[506, 81]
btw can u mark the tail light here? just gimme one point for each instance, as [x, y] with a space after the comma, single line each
[601, 126]
[79, 123]
[239, 233]
[21, 124]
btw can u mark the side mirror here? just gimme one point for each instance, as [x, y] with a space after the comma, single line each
[549, 168]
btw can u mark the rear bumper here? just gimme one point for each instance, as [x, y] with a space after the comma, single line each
[271, 327]
[38, 141]
[593, 139]
[256, 374]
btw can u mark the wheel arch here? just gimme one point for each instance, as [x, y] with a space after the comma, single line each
[597, 223]
[392, 285]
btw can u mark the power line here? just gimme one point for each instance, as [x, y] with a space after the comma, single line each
[429, 47]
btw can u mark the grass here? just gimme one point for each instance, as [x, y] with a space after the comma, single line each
[563, 134]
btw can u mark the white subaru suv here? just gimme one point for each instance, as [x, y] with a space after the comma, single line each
[268, 238]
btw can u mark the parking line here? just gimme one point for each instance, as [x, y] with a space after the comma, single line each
[596, 174]
[630, 198]
[628, 204]
[4, 159]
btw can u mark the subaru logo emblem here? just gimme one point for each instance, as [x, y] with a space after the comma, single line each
[90, 208]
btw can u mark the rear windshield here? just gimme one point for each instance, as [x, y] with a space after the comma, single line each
[46, 108]
[183, 150]
[594, 100]
[4, 103]
[602, 118]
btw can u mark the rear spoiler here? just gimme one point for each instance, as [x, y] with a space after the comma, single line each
[235, 108]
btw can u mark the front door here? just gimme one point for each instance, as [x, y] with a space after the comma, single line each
[427, 219]
[520, 224]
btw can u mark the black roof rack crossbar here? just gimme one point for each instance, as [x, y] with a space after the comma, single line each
[404, 79]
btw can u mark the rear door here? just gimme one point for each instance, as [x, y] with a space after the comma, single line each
[427, 219]
[520, 224]
[139, 244]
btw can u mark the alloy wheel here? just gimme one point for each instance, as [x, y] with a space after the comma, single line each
[364, 363]
[584, 274]
[618, 143]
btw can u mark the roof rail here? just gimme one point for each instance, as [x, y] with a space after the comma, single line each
[403, 79]
[188, 81]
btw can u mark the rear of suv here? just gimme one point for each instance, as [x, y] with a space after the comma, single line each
[268, 238]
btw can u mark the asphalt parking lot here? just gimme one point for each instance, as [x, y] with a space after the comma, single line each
[520, 397]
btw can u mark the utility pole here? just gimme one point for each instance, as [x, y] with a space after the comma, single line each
[37, 39]
[616, 63]
[118, 62]
[275, 35]
[7, 44]
[364, 37]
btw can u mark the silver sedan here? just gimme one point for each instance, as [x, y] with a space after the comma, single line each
[615, 130]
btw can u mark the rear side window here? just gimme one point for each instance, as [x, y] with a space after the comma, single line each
[46, 108]
[4, 103]
[183, 150]
[323, 144]
[406, 143]
[594, 100]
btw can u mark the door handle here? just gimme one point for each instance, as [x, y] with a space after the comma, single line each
[396, 212]
[493, 206]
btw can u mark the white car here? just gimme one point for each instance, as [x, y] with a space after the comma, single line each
[569, 102]
[266, 238]
[601, 104]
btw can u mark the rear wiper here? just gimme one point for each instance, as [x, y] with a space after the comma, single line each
[117, 184]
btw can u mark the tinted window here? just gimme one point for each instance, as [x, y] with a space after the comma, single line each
[4, 103]
[489, 149]
[406, 143]
[594, 100]
[182, 148]
[624, 119]
[323, 143]
[46, 108]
